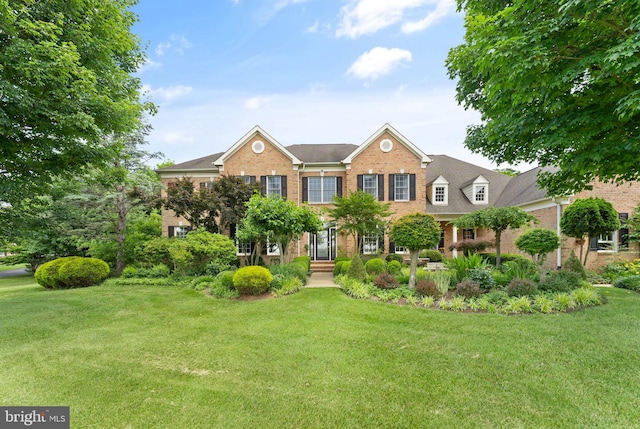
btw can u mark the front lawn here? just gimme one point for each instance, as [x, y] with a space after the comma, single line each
[166, 357]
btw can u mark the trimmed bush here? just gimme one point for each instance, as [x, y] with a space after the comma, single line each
[386, 281]
[341, 259]
[631, 283]
[356, 269]
[306, 260]
[506, 257]
[394, 267]
[468, 289]
[47, 274]
[252, 280]
[344, 269]
[483, 277]
[433, 255]
[83, 272]
[337, 268]
[522, 287]
[394, 257]
[375, 266]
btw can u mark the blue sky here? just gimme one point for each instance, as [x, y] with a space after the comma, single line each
[307, 71]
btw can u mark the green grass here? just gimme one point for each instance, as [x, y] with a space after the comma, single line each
[11, 267]
[164, 357]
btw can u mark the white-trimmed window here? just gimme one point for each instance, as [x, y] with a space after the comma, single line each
[206, 185]
[322, 189]
[244, 248]
[370, 244]
[274, 185]
[468, 234]
[272, 249]
[181, 231]
[402, 250]
[401, 187]
[370, 184]
[480, 193]
[440, 194]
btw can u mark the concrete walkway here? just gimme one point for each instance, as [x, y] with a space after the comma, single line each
[321, 280]
[11, 273]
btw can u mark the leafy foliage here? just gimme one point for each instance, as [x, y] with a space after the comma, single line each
[538, 243]
[587, 218]
[432, 254]
[630, 282]
[359, 213]
[356, 268]
[66, 81]
[556, 84]
[415, 232]
[375, 266]
[252, 280]
[83, 272]
[468, 289]
[573, 264]
[522, 287]
[386, 281]
[497, 219]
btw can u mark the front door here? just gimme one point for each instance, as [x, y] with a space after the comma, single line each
[323, 245]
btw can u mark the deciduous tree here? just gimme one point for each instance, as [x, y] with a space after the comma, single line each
[416, 232]
[556, 83]
[65, 82]
[497, 219]
[538, 243]
[588, 218]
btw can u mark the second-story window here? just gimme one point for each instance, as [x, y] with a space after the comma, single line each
[401, 187]
[480, 192]
[440, 194]
[321, 189]
[370, 184]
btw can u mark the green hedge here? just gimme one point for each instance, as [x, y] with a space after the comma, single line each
[306, 260]
[433, 255]
[375, 266]
[72, 272]
[252, 280]
[631, 283]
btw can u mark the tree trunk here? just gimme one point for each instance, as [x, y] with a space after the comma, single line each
[498, 258]
[414, 265]
[586, 254]
[121, 228]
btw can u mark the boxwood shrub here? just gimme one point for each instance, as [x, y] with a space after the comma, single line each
[252, 280]
[433, 255]
[47, 274]
[306, 260]
[631, 283]
[83, 272]
[375, 266]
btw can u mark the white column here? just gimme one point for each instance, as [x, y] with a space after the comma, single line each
[455, 240]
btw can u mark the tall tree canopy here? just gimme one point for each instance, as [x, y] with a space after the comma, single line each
[556, 83]
[65, 81]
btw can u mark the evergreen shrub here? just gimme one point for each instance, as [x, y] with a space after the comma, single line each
[375, 266]
[252, 280]
[433, 255]
[47, 274]
[394, 267]
[522, 287]
[83, 272]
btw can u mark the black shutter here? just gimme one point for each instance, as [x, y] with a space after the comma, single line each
[593, 244]
[233, 228]
[305, 189]
[392, 184]
[412, 187]
[381, 242]
[359, 243]
[283, 184]
[172, 231]
[360, 182]
[263, 185]
[623, 234]
[380, 187]
[263, 251]
[392, 247]
[252, 179]
[338, 186]
[189, 229]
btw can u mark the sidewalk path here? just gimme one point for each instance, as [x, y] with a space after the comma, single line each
[321, 280]
[11, 273]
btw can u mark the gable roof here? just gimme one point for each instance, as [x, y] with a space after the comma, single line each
[458, 173]
[322, 153]
[200, 164]
[523, 189]
[257, 130]
[399, 137]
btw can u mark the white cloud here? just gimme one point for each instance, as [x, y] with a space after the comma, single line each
[378, 62]
[432, 120]
[363, 17]
[166, 95]
[255, 103]
[313, 28]
[149, 64]
[176, 43]
[444, 8]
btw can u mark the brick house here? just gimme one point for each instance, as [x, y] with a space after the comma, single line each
[394, 170]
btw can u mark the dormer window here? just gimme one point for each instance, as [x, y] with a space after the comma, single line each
[477, 191]
[438, 192]
[480, 193]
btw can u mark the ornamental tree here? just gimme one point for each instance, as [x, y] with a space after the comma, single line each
[497, 219]
[280, 220]
[415, 232]
[588, 218]
[634, 224]
[197, 206]
[358, 214]
[538, 243]
[66, 81]
[556, 83]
